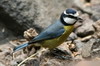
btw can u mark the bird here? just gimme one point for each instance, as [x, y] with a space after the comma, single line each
[57, 33]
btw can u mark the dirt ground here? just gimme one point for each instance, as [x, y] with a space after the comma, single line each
[82, 48]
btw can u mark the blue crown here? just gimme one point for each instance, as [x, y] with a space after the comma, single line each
[70, 11]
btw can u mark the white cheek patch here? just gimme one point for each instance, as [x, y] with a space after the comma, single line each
[77, 14]
[69, 20]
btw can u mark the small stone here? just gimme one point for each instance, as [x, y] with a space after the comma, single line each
[86, 29]
[72, 46]
[95, 50]
[86, 38]
[34, 62]
[1, 64]
[88, 63]
[65, 47]
[30, 33]
[96, 11]
[52, 62]
[96, 26]
[13, 63]
[79, 44]
[72, 36]
[0, 50]
[86, 49]
[78, 57]
[95, 2]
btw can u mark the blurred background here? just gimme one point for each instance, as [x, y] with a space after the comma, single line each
[18, 16]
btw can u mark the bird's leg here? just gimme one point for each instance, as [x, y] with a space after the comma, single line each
[36, 55]
[62, 54]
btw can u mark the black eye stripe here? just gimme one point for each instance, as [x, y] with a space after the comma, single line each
[70, 12]
[70, 16]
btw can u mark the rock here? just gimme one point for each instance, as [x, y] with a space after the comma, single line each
[96, 44]
[96, 49]
[83, 5]
[78, 57]
[87, 38]
[90, 7]
[34, 62]
[52, 62]
[5, 55]
[15, 13]
[63, 51]
[78, 24]
[30, 33]
[96, 25]
[72, 36]
[64, 47]
[96, 11]
[86, 29]
[13, 63]
[95, 2]
[20, 15]
[88, 63]
[3, 32]
[1, 64]
[86, 49]
[78, 43]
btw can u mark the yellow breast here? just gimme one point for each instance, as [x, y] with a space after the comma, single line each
[53, 43]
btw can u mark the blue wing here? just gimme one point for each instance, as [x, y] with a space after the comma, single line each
[48, 35]
[51, 32]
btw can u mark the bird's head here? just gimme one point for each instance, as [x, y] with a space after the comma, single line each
[70, 17]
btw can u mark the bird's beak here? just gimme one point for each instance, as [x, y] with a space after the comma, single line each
[80, 19]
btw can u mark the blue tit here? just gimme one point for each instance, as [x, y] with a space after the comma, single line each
[57, 33]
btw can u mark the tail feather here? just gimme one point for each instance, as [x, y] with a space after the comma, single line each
[20, 47]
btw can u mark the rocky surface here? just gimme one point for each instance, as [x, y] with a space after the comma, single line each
[28, 17]
[25, 14]
[86, 28]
